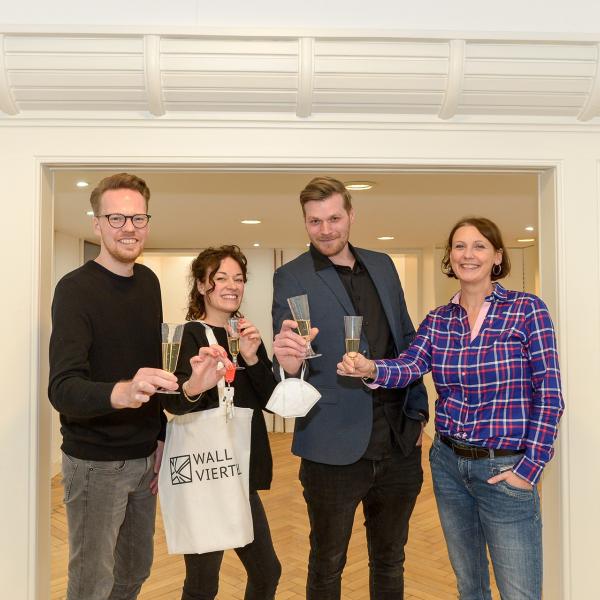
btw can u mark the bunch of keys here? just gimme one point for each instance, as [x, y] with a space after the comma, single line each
[228, 393]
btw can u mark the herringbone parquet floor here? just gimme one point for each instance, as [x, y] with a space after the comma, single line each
[428, 572]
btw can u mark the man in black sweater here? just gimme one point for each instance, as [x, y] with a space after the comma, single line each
[105, 357]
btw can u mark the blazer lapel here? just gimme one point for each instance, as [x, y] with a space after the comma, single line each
[380, 276]
[332, 280]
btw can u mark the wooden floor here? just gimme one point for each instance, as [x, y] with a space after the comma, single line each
[428, 572]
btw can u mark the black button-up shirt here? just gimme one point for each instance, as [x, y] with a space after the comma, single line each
[366, 301]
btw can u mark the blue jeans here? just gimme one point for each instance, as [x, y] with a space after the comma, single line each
[110, 514]
[258, 557]
[388, 490]
[476, 516]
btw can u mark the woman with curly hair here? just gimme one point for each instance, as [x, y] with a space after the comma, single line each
[218, 276]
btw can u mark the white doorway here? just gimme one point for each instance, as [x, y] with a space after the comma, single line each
[427, 294]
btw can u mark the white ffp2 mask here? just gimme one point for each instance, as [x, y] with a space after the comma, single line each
[293, 397]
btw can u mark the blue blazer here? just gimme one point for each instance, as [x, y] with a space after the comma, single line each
[338, 428]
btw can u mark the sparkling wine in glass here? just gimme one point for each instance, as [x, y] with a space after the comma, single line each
[301, 314]
[233, 340]
[171, 334]
[352, 327]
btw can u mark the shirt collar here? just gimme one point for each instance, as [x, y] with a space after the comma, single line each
[498, 294]
[323, 262]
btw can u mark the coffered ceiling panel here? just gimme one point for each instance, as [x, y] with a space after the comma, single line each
[169, 76]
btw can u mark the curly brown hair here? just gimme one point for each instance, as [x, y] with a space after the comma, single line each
[207, 263]
[491, 232]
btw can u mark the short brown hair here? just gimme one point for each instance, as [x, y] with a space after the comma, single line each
[321, 188]
[119, 181]
[207, 264]
[490, 231]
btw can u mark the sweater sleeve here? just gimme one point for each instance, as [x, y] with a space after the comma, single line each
[262, 379]
[70, 389]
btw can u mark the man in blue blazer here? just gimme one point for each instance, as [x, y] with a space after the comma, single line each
[356, 444]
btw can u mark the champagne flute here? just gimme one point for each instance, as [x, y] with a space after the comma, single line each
[352, 327]
[171, 334]
[301, 314]
[233, 340]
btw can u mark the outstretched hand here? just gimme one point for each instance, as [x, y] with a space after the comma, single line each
[208, 366]
[145, 383]
[354, 364]
[289, 347]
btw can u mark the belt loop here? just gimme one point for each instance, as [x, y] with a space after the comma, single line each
[491, 450]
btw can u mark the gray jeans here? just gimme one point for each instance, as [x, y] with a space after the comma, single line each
[110, 513]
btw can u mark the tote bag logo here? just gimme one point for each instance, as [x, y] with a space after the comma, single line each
[181, 469]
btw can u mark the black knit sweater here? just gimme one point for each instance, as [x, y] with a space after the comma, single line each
[104, 328]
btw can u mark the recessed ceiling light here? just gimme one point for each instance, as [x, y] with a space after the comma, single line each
[257, 245]
[82, 184]
[358, 185]
[523, 240]
[530, 228]
[90, 213]
[250, 221]
[386, 237]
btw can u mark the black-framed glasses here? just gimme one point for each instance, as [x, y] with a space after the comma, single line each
[117, 220]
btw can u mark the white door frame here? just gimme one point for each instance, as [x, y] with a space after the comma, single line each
[556, 515]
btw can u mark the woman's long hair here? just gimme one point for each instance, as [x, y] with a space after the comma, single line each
[207, 263]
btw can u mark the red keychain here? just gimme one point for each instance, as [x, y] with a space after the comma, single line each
[228, 393]
[230, 374]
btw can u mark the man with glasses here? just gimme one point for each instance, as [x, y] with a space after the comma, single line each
[105, 357]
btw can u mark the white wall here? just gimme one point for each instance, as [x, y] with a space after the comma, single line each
[172, 271]
[574, 153]
[67, 256]
[463, 15]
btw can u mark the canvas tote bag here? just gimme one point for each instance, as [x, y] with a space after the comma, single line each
[204, 479]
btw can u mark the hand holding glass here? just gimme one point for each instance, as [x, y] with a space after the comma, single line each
[301, 314]
[233, 340]
[171, 334]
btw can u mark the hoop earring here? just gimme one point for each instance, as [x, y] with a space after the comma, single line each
[496, 272]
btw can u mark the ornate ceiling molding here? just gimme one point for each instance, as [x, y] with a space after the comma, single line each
[456, 70]
[7, 103]
[296, 78]
[152, 76]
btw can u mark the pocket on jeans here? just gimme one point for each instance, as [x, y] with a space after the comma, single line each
[107, 466]
[69, 469]
[434, 450]
[514, 492]
[504, 486]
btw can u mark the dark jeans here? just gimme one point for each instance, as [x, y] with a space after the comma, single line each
[258, 557]
[388, 490]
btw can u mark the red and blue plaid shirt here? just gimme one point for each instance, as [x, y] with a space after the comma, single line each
[500, 390]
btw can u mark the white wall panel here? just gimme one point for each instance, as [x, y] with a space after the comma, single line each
[67, 257]
[574, 153]
[301, 76]
[75, 79]
[535, 16]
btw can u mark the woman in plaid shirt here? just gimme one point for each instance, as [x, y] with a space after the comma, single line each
[492, 354]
